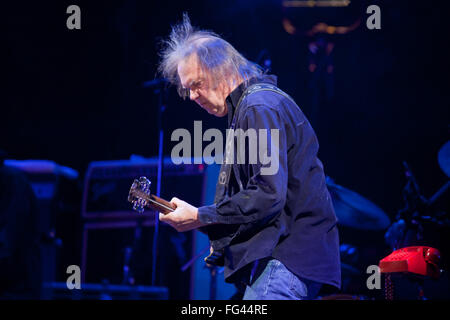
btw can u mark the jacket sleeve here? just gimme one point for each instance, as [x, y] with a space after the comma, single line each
[264, 194]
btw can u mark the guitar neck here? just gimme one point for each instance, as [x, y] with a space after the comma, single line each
[160, 204]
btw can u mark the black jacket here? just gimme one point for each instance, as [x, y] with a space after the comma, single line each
[287, 215]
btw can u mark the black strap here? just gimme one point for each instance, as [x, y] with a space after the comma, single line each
[225, 169]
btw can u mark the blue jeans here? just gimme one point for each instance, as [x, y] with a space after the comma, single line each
[271, 280]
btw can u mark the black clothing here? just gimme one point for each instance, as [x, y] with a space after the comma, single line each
[287, 215]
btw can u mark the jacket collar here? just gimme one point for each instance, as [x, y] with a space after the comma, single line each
[234, 97]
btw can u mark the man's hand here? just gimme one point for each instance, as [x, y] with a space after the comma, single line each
[184, 218]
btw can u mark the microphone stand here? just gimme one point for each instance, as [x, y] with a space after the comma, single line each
[159, 88]
[161, 91]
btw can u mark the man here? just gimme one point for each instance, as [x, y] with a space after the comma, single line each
[277, 231]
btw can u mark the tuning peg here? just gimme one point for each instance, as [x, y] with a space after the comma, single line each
[142, 202]
[137, 207]
[145, 184]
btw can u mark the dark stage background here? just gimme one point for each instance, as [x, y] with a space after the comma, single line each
[75, 96]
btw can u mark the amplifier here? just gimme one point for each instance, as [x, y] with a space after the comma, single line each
[107, 184]
[110, 225]
[106, 246]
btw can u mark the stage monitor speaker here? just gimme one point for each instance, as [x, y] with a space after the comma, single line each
[48, 181]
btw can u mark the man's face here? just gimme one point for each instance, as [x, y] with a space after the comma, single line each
[199, 84]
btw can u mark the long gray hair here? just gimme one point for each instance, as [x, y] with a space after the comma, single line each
[216, 56]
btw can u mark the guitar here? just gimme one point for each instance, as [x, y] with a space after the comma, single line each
[141, 197]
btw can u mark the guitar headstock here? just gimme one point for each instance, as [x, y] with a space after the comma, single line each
[139, 194]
